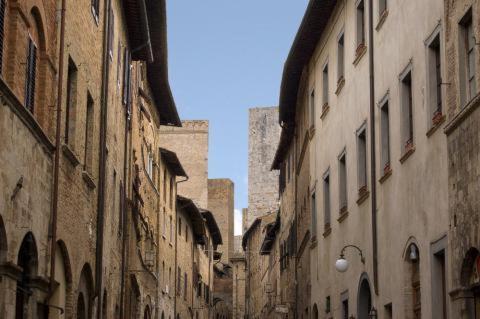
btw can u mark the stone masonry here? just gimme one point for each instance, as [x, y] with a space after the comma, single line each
[264, 133]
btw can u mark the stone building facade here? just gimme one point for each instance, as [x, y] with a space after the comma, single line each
[462, 31]
[362, 188]
[263, 135]
[238, 274]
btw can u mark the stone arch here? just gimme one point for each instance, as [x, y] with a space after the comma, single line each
[28, 262]
[85, 293]
[315, 311]
[134, 298]
[62, 296]
[468, 266]
[411, 279]
[364, 299]
[147, 313]
[3, 242]
[163, 315]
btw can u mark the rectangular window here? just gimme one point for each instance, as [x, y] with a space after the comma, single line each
[435, 79]
[96, 8]
[179, 281]
[3, 4]
[342, 182]
[388, 311]
[314, 216]
[360, 16]
[165, 186]
[179, 227]
[185, 286]
[467, 58]
[111, 30]
[362, 160]
[127, 74]
[121, 210]
[186, 233]
[164, 223]
[89, 134]
[30, 78]
[312, 109]
[71, 109]
[382, 7]
[407, 111]
[171, 229]
[440, 284]
[326, 200]
[341, 58]
[172, 181]
[328, 305]
[385, 137]
[325, 85]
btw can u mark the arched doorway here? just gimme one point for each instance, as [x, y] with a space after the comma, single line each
[28, 261]
[63, 277]
[470, 280]
[364, 299]
[147, 314]
[315, 312]
[412, 286]
[3, 242]
[85, 293]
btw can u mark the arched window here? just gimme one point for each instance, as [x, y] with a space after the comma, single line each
[146, 314]
[364, 300]
[28, 261]
[315, 312]
[85, 293]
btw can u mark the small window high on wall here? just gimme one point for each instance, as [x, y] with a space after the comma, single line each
[406, 99]
[467, 58]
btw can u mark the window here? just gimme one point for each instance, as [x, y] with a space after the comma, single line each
[172, 181]
[435, 79]
[96, 8]
[169, 279]
[360, 16]
[179, 227]
[127, 74]
[149, 164]
[467, 58]
[70, 112]
[328, 305]
[111, 30]
[2, 30]
[171, 229]
[164, 223]
[325, 85]
[185, 286]
[179, 281]
[385, 137]
[342, 181]
[89, 134]
[326, 200]
[407, 111]
[163, 272]
[314, 216]
[165, 186]
[345, 309]
[388, 311]
[121, 210]
[382, 7]
[312, 109]
[341, 58]
[30, 76]
[440, 284]
[362, 160]
[186, 233]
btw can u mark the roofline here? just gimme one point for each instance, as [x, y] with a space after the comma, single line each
[173, 162]
[249, 230]
[212, 227]
[304, 45]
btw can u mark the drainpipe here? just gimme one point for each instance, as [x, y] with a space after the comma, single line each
[295, 221]
[56, 172]
[176, 264]
[103, 161]
[373, 169]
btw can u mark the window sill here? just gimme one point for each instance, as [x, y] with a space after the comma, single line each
[386, 174]
[88, 179]
[363, 194]
[340, 85]
[343, 214]
[313, 242]
[325, 109]
[70, 155]
[436, 123]
[327, 231]
[407, 154]
[359, 53]
[382, 19]
[170, 244]
[164, 237]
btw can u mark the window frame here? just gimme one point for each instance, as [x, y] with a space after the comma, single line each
[435, 69]
[342, 182]
[362, 159]
[327, 209]
[407, 101]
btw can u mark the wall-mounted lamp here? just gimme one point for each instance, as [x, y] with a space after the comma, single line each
[373, 313]
[413, 253]
[342, 264]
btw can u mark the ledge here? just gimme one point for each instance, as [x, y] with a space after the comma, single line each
[386, 175]
[462, 114]
[360, 52]
[11, 101]
[88, 180]
[70, 155]
[343, 214]
[327, 231]
[325, 109]
[362, 196]
[407, 154]
[382, 19]
[340, 85]
[436, 125]
[11, 270]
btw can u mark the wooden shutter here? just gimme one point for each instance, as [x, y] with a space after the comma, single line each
[2, 27]
[30, 76]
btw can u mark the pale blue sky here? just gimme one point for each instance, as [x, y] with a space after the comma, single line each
[225, 57]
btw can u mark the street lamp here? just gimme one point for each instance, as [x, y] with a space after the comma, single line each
[342, 264]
